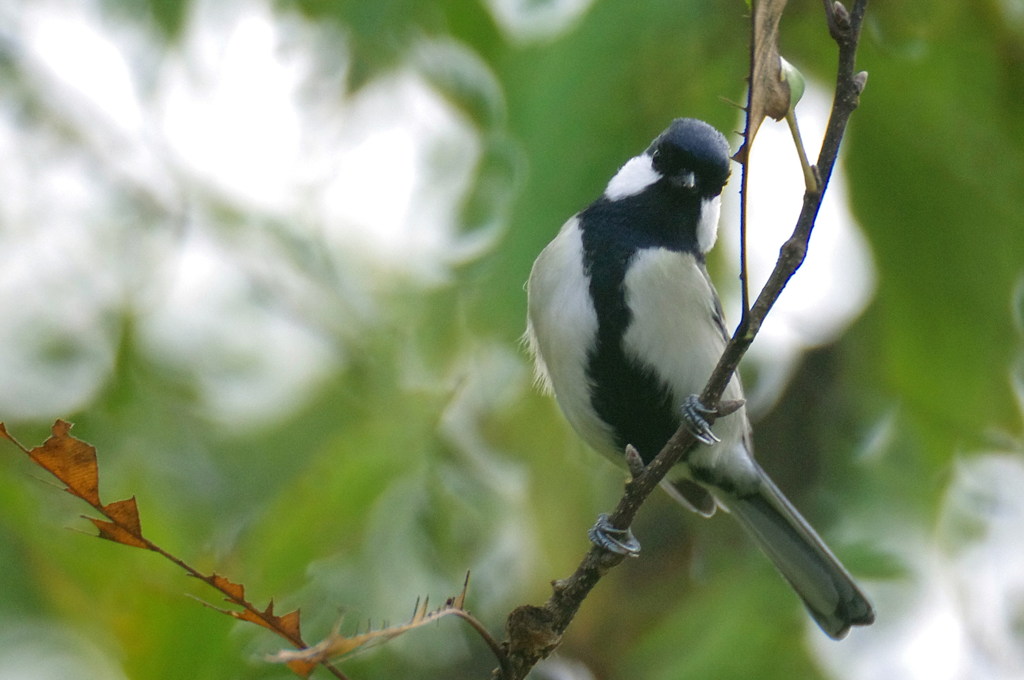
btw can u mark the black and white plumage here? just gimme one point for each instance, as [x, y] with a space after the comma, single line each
[625, 326]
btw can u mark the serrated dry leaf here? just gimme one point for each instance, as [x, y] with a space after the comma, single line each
[286, 625]
[118, 534]
[289, 623]
[74, 463]
[234, 591]
[70, 460]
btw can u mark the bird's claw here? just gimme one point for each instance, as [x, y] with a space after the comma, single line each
[613, 539]
[693, 415]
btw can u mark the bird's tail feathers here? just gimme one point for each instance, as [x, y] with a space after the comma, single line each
[826, 588]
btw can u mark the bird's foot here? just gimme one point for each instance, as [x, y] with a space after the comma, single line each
[693, 415]
[612, 539]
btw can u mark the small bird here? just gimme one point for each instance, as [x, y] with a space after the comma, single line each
[625, 328]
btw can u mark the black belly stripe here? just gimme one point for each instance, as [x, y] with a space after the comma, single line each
[625, 394]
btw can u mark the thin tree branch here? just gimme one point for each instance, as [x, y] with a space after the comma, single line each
[534, 632]
[744, 281]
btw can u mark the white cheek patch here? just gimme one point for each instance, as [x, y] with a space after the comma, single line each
[632, 178]
[707, 224]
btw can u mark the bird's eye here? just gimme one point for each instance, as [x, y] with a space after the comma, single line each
[661, 160]
[668, 160]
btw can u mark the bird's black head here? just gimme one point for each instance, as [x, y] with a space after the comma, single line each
[692, 155]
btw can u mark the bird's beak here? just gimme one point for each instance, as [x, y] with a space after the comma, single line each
[686, 180]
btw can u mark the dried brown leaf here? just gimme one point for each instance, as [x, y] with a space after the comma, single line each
[303, 669]
[73, 462]
[118, 534]
[286, 625]
[70, 460]
[290, 624]
[234, 591]
[769, 94]
[124, 526]
[125, 514]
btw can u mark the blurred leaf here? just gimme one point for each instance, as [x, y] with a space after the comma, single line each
[740, 624]
[946, 239]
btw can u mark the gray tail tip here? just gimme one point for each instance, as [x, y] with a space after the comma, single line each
[857, 612]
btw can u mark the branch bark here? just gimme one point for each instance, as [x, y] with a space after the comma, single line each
[534, 632]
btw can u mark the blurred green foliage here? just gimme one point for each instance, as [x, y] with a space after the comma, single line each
[425, 452]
